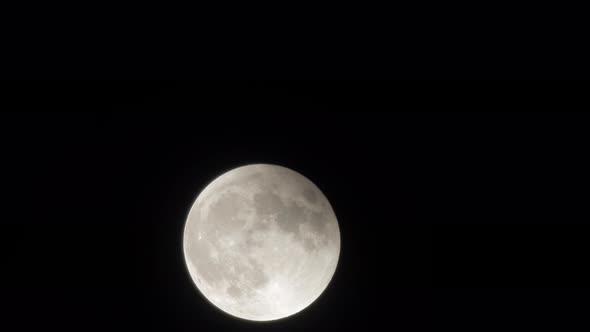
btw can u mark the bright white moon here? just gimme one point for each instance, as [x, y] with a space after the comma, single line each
[261, 242]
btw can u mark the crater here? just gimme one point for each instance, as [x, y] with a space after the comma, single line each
[310, 196]
[267, 203]
[256, 275]
[318, 222]
[224, 215]
[290, 218]
[207, 269]
[308, 244]
[234, 291]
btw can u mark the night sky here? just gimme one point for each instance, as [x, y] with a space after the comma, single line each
[461, 206]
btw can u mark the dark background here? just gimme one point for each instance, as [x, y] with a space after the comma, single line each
[387, 40]
[462, 206]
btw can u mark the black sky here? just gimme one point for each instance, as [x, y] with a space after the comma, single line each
[462, 206]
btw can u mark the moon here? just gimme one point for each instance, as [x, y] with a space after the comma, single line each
[261, 242]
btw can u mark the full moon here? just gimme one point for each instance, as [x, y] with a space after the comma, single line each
[261, 242]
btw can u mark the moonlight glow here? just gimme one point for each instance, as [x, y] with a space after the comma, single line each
[261, 242]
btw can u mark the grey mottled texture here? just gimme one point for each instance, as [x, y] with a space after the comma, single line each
[261, 242]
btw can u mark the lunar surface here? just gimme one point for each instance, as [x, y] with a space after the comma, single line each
[261, 242]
